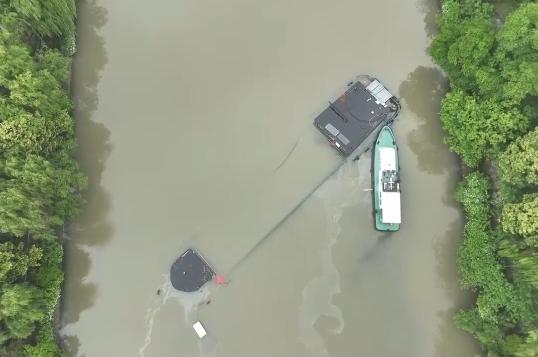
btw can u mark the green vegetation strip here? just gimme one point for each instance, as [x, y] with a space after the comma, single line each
[39, 180]
[489, 116]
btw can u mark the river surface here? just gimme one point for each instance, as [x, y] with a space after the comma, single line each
[194, 121]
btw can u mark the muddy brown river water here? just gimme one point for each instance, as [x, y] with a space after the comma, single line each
[194, 120]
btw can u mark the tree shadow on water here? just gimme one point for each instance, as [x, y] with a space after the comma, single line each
[71, 344]
[430, 9]
[451, 341]
[91, 228]
[422, 92]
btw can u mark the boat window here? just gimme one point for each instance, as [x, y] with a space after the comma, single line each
[331, 129]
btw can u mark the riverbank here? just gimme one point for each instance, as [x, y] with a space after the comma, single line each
[490, 121]
[39, 180]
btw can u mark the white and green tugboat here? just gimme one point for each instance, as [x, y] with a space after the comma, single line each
[386, 176]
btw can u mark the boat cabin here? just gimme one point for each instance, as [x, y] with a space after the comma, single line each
[390, 183]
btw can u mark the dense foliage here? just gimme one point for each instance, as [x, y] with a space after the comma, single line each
[493, 73]
[479, 127]
[481, 269]
[489, 116]
[39, 180]
[519, 163]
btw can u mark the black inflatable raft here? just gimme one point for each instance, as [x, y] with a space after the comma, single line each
[190, 272]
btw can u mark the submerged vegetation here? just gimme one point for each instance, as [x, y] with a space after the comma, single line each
[490, 118]
[39, 180]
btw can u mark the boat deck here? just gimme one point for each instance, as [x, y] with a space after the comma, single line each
[385, 140]
[361, 111]
[190, 272]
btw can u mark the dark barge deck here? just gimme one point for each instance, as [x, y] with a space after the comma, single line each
[190, 272]
[352, 121]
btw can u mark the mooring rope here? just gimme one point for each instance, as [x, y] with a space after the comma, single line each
[269, 233]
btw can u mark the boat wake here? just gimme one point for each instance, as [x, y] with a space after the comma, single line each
[189, 301]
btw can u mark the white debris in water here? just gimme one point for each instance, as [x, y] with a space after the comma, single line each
[199, 328]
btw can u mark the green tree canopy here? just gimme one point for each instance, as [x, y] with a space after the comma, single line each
[477, 128]
[20, 215]
[488, 333]
[493, 70]
[518, 164]
[522, 217]
[502, 65]
[46, 345]
[524, 258]
[517, 53]
[15, 260]
[37, 196]
[20, 308]
[465, 42]
[44, 17]
[34, 109]
[39, 180]
[473, 194]
[479, 267]
[522, 347]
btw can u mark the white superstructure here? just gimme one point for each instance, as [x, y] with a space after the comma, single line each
[390, 187]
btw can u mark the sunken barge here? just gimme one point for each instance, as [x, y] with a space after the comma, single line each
[352, 121]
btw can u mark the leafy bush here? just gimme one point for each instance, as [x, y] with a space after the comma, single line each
[20, 309]
[522, 217]
[518, 164]
[44, 17]
[494, 83]
[465, 42]
[46, 345]
[477, 128]
[473, 194]
[39, 180]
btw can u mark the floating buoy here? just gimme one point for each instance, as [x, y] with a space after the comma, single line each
[219, 279]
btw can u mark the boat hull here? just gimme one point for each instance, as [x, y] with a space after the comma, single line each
[385, 139]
